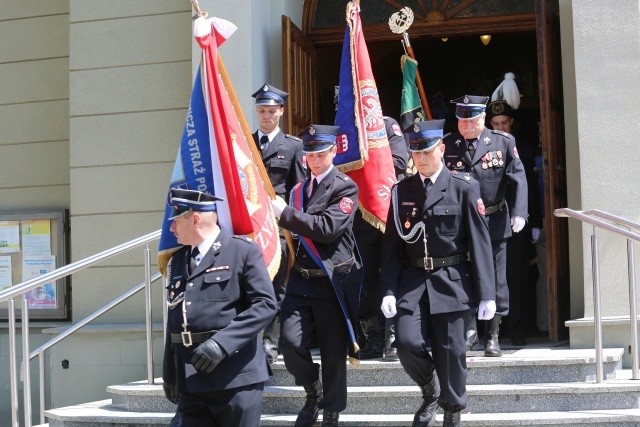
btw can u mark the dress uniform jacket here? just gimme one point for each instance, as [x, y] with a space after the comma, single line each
[229, 292]
[327, 220]
[454, 225]
[283, 161]
[504, 179]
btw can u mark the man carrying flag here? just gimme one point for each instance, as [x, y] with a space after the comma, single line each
[219, 292]
[324, 286]
[364, 154]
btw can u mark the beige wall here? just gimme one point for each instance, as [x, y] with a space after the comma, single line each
[34, 105]
[606, 51]
[130, 83]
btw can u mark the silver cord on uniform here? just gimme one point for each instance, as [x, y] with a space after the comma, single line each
[414, 234]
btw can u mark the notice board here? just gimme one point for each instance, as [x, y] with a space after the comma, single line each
[33, 244]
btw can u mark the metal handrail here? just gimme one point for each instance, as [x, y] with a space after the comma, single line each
[587, 217]
[73, 328]
[69, 269]
[24, 287]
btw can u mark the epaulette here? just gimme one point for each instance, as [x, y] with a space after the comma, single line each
[462, 176]
[343, 176]
[503, 133]
[295, 138]
[243, 238]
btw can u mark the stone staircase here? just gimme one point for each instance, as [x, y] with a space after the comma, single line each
[539, 385]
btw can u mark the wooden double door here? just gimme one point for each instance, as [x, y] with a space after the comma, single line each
[452, 62]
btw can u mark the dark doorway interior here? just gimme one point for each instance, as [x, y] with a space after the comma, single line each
[461, 65]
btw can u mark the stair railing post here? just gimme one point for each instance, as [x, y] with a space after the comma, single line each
[147, 294]
[633, 309]
[13, 374]
[41, 377]
[597, 319]
[26, 375]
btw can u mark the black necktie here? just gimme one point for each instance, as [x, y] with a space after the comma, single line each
[472, 148]
[427, 186]
[314, 187]
[264, 142]
[192, 261]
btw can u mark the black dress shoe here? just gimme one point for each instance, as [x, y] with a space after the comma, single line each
[330, 419]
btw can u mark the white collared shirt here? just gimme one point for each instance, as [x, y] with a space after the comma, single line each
[206, 244]
[432, 177]
[270, 135]
[318, 178]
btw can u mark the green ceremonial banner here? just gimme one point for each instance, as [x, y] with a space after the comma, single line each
[410, 107]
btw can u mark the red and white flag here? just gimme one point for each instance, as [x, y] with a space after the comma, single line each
[215, 157]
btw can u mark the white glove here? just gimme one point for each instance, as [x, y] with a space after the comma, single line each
[278, 204]
[517, 223]
[487, 309]
[535, 234]
[388, 306]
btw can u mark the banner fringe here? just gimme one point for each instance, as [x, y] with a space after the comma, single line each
[163, 259]
[372, 219]
[351, 166]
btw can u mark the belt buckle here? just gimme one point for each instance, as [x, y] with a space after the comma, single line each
[186, 342]
[428, 263]
[305, 273]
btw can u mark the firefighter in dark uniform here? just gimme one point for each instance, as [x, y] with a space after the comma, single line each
[501, 113]
[491, 157]
[436, 266]
[378, 330]
[283, 160]
[220, 297]
[321, 304]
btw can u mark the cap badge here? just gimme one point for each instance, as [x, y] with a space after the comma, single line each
[312, 131]
[265, 87]
[497, 109]
[416, 128]
[466, 99]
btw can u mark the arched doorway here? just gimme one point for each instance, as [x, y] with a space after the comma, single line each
[524, 40]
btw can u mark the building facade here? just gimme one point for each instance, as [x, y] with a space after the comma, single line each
[93, 97]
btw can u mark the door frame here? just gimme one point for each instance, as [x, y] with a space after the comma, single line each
[545, 23]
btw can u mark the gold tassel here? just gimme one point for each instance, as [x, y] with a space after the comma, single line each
[353, 361]
[372, 219]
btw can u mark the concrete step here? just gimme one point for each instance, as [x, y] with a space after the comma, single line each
[497, 398]
[517, 366]
[101, 414]
[600, 418]
[530, 366]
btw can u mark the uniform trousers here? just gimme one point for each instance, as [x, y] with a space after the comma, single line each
[499, 248]
[445, 333]
[517, 267]
[241, 406]
[369, 239]
[301, 318]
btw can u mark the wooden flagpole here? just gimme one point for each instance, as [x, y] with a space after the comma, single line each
[254, 151]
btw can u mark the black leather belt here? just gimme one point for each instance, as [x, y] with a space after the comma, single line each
[495, 208]
[313, 273]
[189, 338]
[429, 263]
